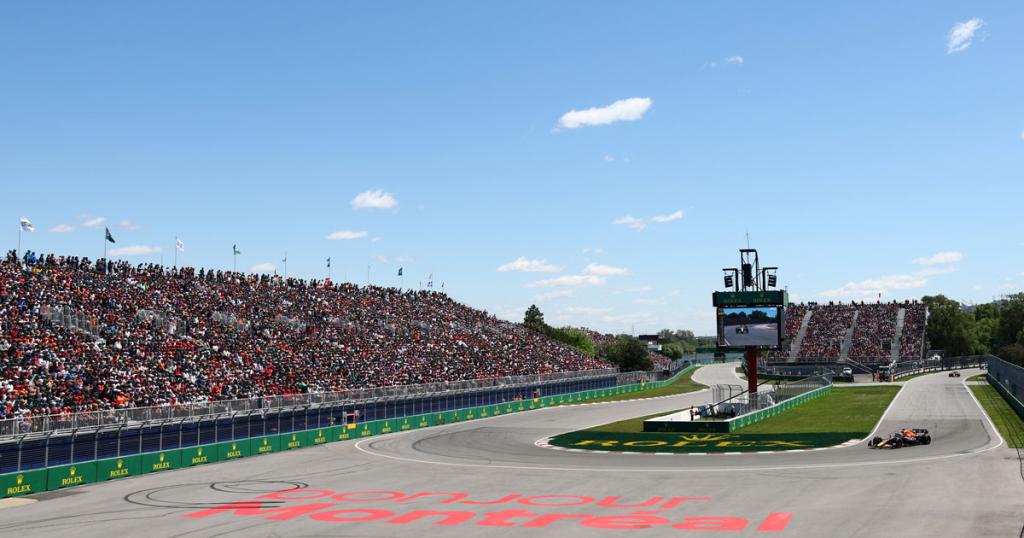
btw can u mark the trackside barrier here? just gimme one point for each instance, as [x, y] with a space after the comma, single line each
[743, 421]
[87, 472]
[1008, 379]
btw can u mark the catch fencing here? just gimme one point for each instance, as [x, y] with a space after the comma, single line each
[1009, 381]
[135, 431]
[116, 417]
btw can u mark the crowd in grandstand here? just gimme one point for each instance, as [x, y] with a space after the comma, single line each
[874, 330]
[82, 335]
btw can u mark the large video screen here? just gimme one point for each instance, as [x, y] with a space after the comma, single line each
[749, 326]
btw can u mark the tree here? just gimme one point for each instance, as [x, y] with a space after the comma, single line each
[672, 350]
[950, 328]
[534, 318]
[628, 353]
[1011, 320]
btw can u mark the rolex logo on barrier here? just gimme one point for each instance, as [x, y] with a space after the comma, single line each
[265, 447]
[199, 457]
[161, 465]
[20, 487]
[234, 452]
[71, 479]
[119, 471]
[294, 443]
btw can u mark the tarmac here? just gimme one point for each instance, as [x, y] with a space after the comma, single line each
[489, 477]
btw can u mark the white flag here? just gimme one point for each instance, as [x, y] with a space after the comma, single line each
[26, 225]
[179, 245]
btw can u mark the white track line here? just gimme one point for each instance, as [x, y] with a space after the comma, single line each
[983, 412]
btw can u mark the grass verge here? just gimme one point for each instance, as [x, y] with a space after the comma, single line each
[1007, 422]
[979, 377]
[852, 409]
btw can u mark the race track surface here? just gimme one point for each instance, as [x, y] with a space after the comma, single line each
[488, 478]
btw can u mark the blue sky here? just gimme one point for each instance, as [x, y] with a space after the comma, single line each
[608, 157]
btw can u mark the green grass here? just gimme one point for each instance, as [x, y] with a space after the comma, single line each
[1009, 424]
[682, 385]
[979, 377]
[854, 409]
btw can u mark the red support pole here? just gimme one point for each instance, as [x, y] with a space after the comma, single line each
[751, 355]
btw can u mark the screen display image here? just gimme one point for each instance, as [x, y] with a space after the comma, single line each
[748, 326]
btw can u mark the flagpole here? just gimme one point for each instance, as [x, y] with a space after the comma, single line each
[175, 252]
[367, 275]
[104, 243]
[19, 240]
[286, 265]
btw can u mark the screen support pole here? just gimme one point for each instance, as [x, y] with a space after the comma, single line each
[751, 355]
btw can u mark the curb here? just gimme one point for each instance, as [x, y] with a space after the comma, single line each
[544, 443]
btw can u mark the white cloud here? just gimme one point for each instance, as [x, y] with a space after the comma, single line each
[678, 214]
[660, 301]
[1022, 135]
[873, 287]
[623, 110]
[135, 250]
[404, 259]
[639, 224]
[128, 225]
[524, 265]
[62, 228]
[343, 235]
[585, 310]
[734, 60]
[93, 222]
[570, 281]
[554, 294]
[632, 317]
[377, 199]
[962, 34]
[949, 256]
[382, 259]
[609, 159]
[631, 222]
[263, 268]
[604, 270]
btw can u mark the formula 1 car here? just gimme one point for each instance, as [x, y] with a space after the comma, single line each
[743, 329]
[954, 373]
[902, 438]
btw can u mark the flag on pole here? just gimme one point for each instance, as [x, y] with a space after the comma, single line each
[430, 280]
[328, 263]
[285, 259]
[110, 238]
[399, 271]
[178, 245]
[234, 250]
[26, 225]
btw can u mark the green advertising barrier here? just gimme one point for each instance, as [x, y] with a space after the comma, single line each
[66, 476]
[388, 426]
[424, 421]
[233, 450]
[115, 468]
[320, 436]
[266, 444]
[161, 461]
[23, 483]
[369, 428]
[198, 455]
[291, 441]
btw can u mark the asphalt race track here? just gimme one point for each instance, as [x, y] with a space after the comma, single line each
[763, 334]
[488, 478]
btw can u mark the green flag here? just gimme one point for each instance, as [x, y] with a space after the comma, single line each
[110, 237]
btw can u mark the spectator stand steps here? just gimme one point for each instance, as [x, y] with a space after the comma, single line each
[894, 353]
[804, 322]
[844, 353]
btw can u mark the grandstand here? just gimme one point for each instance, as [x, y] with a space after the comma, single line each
[77, 335]
[868, 333]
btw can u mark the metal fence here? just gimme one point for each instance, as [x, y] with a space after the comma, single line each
[36, 450]
[935, 364]
[113, 417]
[1010, 378]
[767, 395]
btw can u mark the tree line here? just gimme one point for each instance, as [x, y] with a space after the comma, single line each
[996, 327]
